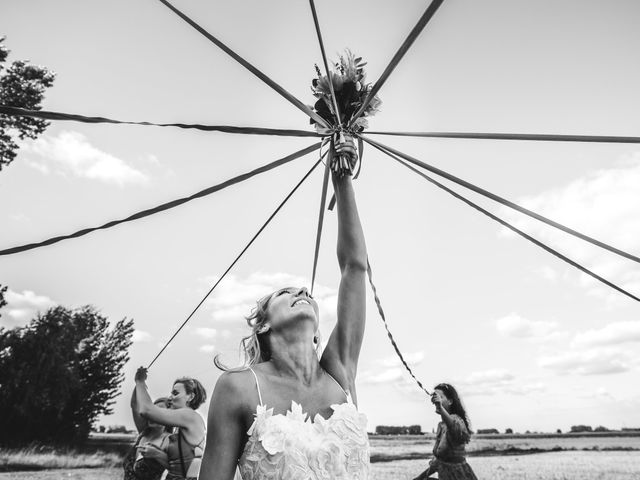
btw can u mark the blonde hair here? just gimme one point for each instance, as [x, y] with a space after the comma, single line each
[255, 346]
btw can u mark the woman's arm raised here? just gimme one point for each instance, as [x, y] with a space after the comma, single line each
[182, 417]
[140, 422]
[225, 430]
[340, 357]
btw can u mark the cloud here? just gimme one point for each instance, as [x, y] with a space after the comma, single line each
[604, 204]
[71, 153]
[22, 307]
[515, 326]
[397, 378]
[140, 336]
[492, 377]
[151, 159]
[612, 334]
[390, 370]
[597, 361]
[548, 273]
[495, 381]
[206, 332]
[389, 375]
[412, 358]
[598, 351]
[599, 394]
[207, 348]
[485, 382]
[20, 218]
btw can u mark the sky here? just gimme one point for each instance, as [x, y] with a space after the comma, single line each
[531, 343]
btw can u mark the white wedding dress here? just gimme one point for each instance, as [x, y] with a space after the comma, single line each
[295, 447]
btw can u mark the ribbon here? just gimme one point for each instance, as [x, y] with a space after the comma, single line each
[513, 228]
[48, 115]
[323, 201]
[168, 205]
[326, 64]
[502, 200]
[248, 66]
[235, 261]
[386, 327]
[415, 32]
[539, 137]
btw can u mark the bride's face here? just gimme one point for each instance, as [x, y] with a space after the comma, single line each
[292, 305]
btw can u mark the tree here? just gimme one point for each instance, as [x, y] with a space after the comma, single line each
[581, 428]
[3, 302]
[21, 85]
[398, 430]
[58, 373]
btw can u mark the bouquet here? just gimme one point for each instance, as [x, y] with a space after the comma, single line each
[348, 79]
[351, 90]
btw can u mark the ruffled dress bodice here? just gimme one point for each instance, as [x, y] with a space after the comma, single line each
[293, 447]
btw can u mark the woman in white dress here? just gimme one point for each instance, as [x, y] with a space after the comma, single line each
[288, 414]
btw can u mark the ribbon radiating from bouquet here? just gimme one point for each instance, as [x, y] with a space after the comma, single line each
[341, 93]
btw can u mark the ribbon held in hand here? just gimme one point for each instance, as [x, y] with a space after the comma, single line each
[344, 154]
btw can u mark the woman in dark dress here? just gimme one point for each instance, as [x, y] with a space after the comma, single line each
[454, 432]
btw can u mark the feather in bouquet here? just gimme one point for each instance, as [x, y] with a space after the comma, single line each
[349, 85]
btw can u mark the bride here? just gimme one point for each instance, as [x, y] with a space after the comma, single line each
[287, 414]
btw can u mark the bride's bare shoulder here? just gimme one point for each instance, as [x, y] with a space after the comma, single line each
[236, 382]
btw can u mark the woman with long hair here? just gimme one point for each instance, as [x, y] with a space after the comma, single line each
[186, 443]
[454, 432]
[290, 412]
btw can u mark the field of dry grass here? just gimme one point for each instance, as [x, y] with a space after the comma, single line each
[406, 447]
[573, 465]
[39, 458]
[578, 465]
[492, 457]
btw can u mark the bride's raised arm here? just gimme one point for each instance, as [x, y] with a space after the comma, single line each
[340, 357]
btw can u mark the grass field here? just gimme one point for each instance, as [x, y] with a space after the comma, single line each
[39, 458]
[578, 465]
[588, 457]
[405, 447]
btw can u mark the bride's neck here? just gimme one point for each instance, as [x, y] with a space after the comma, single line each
[298, 360]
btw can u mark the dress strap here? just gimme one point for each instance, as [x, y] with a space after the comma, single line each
[258, 385]
[192, 445]
[346, 394]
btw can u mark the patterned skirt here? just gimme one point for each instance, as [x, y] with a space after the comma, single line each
[452, 471]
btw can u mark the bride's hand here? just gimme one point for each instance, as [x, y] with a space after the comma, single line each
[346, 148]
